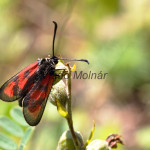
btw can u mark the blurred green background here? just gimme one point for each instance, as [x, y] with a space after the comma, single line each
[114, 35]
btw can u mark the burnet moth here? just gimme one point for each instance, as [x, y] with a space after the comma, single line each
[32, 85]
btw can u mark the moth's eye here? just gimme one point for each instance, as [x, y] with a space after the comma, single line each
[43, 60]
[55, 61]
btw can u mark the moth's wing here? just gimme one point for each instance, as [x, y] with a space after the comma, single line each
[15, 87]
[35, 101]
[27, 88]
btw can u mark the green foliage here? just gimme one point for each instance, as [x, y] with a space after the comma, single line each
[143, 137]
[16, 128]
[91, 134]
[18, 116]
[26, 137]
[113, 35]
[61, 109]
[7, 143]
[11, 126]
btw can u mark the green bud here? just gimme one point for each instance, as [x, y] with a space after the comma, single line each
[60, 70]
[66, 142]
[98, 145]
[58, 92]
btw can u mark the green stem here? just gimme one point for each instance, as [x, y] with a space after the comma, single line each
[69, 109]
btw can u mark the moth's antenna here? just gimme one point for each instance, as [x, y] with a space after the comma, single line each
[55, 29]
[85, 60]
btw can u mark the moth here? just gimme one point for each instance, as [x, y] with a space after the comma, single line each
[32, 85]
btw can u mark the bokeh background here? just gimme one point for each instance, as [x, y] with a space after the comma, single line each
[114, 35]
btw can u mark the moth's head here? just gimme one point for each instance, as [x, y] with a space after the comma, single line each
[54, 59]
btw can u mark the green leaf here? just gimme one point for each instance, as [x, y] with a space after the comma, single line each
[21, 147]
[91, 135]
[73, 68]
[26, 137]
[11, 126]
[7, 143]
[16, 113]
[61, 109]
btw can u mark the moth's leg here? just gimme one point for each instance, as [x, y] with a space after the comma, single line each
[20, 102]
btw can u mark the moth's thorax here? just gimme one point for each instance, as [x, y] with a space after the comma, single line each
[47, 60]
[47, 65]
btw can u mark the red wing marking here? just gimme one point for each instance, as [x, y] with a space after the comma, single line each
[12, 89]
[35, 109]
[35, 101]
[23, 79]
[22, 82]
[40, 93]
[7, 90]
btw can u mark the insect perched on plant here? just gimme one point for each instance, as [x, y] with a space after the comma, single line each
[32, 85]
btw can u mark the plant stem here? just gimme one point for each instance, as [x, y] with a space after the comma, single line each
[69, 109]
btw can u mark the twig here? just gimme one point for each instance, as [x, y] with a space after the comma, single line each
[69, 109]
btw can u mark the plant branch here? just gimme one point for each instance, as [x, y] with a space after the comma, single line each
[69, 109]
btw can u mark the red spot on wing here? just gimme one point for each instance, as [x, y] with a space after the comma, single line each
[36, 100]
[31, 68]
[35, 109]
[41, 94]
[30, 87]
[22, 82]
[38, 95]
[13, 89]
[33, 65]
[50, 85]
[9, 89]
[45, 81]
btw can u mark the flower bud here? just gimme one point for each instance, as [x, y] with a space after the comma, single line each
[98, 145]
[58, 92]
[66, 142]
[60, 72]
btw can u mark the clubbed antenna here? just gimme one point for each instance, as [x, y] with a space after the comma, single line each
[85, 60]
[55, 29]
